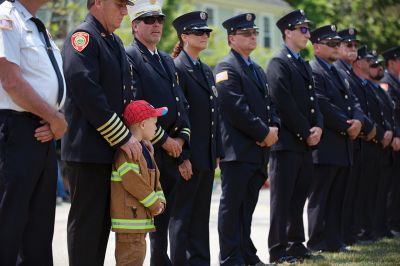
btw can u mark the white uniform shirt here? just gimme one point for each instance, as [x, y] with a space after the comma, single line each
[22, 44]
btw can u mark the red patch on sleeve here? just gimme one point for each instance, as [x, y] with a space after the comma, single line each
[80, 40]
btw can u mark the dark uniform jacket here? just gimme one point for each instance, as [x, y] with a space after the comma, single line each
[246, 109]
[358, 92]
[337, 105]
[199, 88]
[96, 78]
[292, 89]
[160, 88]
[393, 88]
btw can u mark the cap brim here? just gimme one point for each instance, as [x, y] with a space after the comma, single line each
[202, 28]
[161, 111]
[151, 14]
[305, 21]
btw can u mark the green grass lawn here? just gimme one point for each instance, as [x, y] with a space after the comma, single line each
[383, 252]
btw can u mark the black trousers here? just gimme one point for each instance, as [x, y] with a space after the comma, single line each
[350, 212]
[189, 223]
[366, 196]
[325, 205]
[169, 174]
[394, 195]
[241, 183]
[290, 180]
[28, 176]
[380, 227]
[89, 219]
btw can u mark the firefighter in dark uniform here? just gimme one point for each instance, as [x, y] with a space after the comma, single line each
[376, 72]
[156, 81]
[190, 223]
[334, 155]
[347, 55]
[291, 166]
[249, 126]
[391, 81]
[32, 92]
[98, 79]
[371, 152]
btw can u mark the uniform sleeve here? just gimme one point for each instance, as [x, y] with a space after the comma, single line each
[82, 75]
[334, 117]
[137, 184]
[10, 40]
[234, 106]
[279, 83]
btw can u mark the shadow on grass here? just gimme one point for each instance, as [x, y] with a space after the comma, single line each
[382, 252]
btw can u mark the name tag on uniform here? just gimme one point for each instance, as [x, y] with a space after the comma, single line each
[222, 76]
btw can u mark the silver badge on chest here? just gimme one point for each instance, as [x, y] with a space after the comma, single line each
[214, 89]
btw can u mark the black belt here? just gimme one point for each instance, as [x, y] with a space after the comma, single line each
[17, 113]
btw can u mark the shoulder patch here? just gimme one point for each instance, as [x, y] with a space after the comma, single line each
[6, 24]
[80, 40]
[385, 86]
[221, 76]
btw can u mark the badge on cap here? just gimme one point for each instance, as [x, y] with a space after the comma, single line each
[214, 89]
[333, 27]
[80, 40]
[351, 31]
[6, 24]
[302, 12]
[249, 17]
[203, 15]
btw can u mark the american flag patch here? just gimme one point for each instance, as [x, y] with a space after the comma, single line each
[5, 24]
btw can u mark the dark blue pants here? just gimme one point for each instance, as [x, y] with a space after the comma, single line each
[394, 195]
[169, 174]
[325, 205]
[367, 187]
[240, 183]
[28, 176]
[89, 219]
[350, 212]
[189, 223]
[290, 180]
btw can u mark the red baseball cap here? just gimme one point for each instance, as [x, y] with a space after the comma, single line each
[137, 111]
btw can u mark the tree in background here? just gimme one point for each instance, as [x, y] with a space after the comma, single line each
[377, 21]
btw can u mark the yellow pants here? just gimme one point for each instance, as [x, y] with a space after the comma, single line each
[130, 249]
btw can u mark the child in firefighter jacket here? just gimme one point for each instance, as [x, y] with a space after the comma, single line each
[136, 194]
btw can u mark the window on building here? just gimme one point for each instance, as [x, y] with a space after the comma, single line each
[267, 32]
[211, 16]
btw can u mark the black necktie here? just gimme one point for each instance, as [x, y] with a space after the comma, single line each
[252, 69]
[49, 49]
[158, 59]
[335, 73]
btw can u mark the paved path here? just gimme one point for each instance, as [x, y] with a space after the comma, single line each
[259, 232]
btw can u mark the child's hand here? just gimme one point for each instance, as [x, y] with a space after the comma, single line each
[160, 209]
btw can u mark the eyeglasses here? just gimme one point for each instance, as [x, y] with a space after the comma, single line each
[152, 19]
[198, 32]
[303, 30]
[247, 33]
[332, 44]
[351, 45]
[375, 65]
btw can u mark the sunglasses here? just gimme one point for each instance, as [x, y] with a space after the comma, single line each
[247, 33]
[303, 30]
[152, 19]
[375, 65]
[332, 44]
[198, 32]
[351, 45]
